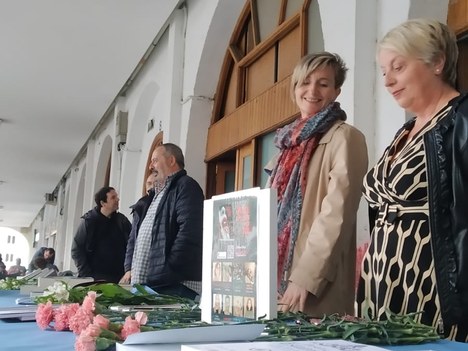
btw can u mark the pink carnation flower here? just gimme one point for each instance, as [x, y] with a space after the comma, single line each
[85, 342]
[89, 303]
[71, 309]
[44, 315]
[101, 321]
[130, 327]
[61, 321]
[63, 315]
[80, 321]
[93, 330]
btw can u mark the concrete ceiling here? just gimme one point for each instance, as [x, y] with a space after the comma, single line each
[62, 63]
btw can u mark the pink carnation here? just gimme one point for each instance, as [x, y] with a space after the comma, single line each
[89, 303]
[63, 315]
[141, 318]
[71, 309]
[92, 330]
[85, 342]
[44, 315]
[80, 321]
[101, 321]
[130, 327]
[61, 321]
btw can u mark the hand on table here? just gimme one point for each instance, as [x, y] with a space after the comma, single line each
[126, 278]
[293, 299]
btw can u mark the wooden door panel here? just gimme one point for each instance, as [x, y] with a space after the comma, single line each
[224, 172]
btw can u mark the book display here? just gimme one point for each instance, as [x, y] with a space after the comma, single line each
[239, 256]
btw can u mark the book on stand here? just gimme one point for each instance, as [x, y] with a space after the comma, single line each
[239, 256]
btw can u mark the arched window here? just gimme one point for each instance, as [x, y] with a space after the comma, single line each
[252, 97]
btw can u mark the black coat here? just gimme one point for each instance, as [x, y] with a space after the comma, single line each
[177, 236]
[99, 245]
[446, 147]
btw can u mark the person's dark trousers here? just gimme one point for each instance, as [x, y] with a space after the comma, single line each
[178, 289]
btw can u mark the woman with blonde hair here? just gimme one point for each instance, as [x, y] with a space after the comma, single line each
[318, 176]
[417, 260]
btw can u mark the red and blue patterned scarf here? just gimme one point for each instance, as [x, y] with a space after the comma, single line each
[297, 142]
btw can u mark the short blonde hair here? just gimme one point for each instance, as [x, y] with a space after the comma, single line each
[425, 39]
[311, 62]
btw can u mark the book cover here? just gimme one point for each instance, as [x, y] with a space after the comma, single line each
[239, 257]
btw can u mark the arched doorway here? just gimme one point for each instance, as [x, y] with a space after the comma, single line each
[157, 141]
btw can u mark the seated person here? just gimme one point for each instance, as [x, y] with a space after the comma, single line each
[3, 271]
[17, 269]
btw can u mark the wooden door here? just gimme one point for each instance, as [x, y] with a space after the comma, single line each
[225, 177]
[245, 166]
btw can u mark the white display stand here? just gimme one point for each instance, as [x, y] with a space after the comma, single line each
[239, 256]
[307, 345]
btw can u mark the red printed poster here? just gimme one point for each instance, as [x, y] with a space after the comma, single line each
[234, 259]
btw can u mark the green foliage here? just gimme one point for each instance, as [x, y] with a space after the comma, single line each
[10, 283]
[395, 330]
[113, 294]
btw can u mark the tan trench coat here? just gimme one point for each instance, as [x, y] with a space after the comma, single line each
[325, 253]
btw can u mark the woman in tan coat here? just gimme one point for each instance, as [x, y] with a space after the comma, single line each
[318, 176]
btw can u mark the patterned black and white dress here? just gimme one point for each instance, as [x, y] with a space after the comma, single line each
[397, 271]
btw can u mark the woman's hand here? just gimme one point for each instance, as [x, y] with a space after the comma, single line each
[293, 299]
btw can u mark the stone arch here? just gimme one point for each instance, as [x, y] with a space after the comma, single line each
[103, 164]
[75, 218]
[200, 108]
[134, 170]
[79, 197]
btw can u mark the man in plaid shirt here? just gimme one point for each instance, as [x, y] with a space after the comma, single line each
[165, 246]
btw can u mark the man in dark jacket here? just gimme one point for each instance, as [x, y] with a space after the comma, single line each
[101, 239]
[165, 248]
[48, 253]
